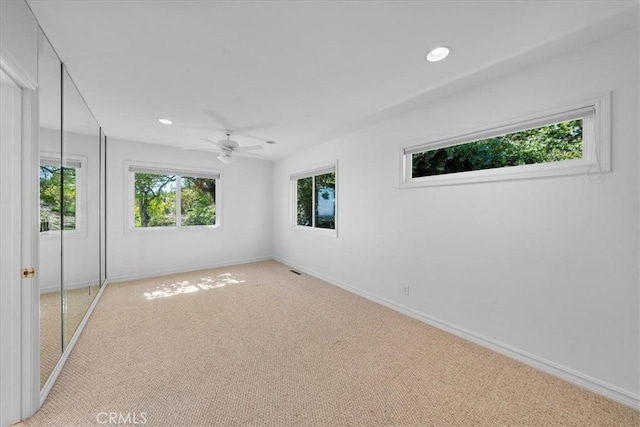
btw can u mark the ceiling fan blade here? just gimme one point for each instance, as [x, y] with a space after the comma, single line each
[251, 128]
[218, 118]
[213, 150]
[216, 143]
[210, 129]
[250, 148]
[251, 136]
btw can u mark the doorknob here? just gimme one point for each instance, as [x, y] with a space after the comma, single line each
[28, 273]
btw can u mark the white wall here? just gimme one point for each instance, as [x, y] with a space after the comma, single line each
[247, 209]
[545, 267]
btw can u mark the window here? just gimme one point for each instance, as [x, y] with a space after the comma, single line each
[173, 198]
[198, 201]
[570, 141]
[551, 143]
[59, 194]
[314, 196]
[155, 200]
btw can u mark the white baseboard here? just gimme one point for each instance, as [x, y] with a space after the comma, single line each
[592, 384]
[187, 269]
[69, 287]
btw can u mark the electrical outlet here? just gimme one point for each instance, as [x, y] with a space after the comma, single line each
[405, 290]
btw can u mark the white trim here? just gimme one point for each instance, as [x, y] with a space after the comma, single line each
[67, 351]
[511, 127]
[596, 147]
[160, 273]
[29, 314]
[132, 166]
[11, 249]
[15, 71]
[329, 232]
[313, 172]
[30, 254]
[47, 159]
[136, 168]
[68, 287]
[592, 384]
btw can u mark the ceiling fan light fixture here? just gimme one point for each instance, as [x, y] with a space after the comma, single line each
[438, 54]
[227, 159]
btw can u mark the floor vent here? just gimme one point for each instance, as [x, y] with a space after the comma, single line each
[295, 272]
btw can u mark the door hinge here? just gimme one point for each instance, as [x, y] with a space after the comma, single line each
[28, 273]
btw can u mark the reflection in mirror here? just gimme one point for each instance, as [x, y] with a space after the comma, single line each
[81, 207]
[51, 218]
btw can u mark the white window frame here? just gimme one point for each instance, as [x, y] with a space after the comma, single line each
[313, 172]
[79, 163]
[131, 167]
[596, 137]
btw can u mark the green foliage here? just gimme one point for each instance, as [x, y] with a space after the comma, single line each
[305, 201]
[57, 197]
[198, 201]
[305, 208]
[561, 141]
[155, 200]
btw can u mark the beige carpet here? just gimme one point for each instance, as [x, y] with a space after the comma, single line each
[257, 345]
[77, 301]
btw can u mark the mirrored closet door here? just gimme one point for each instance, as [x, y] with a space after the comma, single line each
[71, 205]
[51, 209]
[80, 191]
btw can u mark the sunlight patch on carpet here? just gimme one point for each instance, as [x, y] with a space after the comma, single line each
[165, 290]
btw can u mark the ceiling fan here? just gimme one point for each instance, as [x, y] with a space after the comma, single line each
[227, 147]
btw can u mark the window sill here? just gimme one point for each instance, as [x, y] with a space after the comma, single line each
[314, 230]
[187, 229]
[68, 234]
[544, 170]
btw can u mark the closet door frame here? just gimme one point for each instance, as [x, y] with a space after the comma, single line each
[28, 300]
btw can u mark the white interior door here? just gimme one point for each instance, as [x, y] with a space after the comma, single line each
[10, 249]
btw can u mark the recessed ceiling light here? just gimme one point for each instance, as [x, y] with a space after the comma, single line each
[165, 121]
[438, 54]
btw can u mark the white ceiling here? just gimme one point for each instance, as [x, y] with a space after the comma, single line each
[301, 72]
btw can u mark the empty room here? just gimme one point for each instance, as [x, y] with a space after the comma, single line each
[322, 213]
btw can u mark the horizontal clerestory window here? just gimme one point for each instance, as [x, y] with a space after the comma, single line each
[570, 141]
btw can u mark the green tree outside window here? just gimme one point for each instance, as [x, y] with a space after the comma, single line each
[57, 198]
[553, 143]
[315, 204]
[156, 199]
